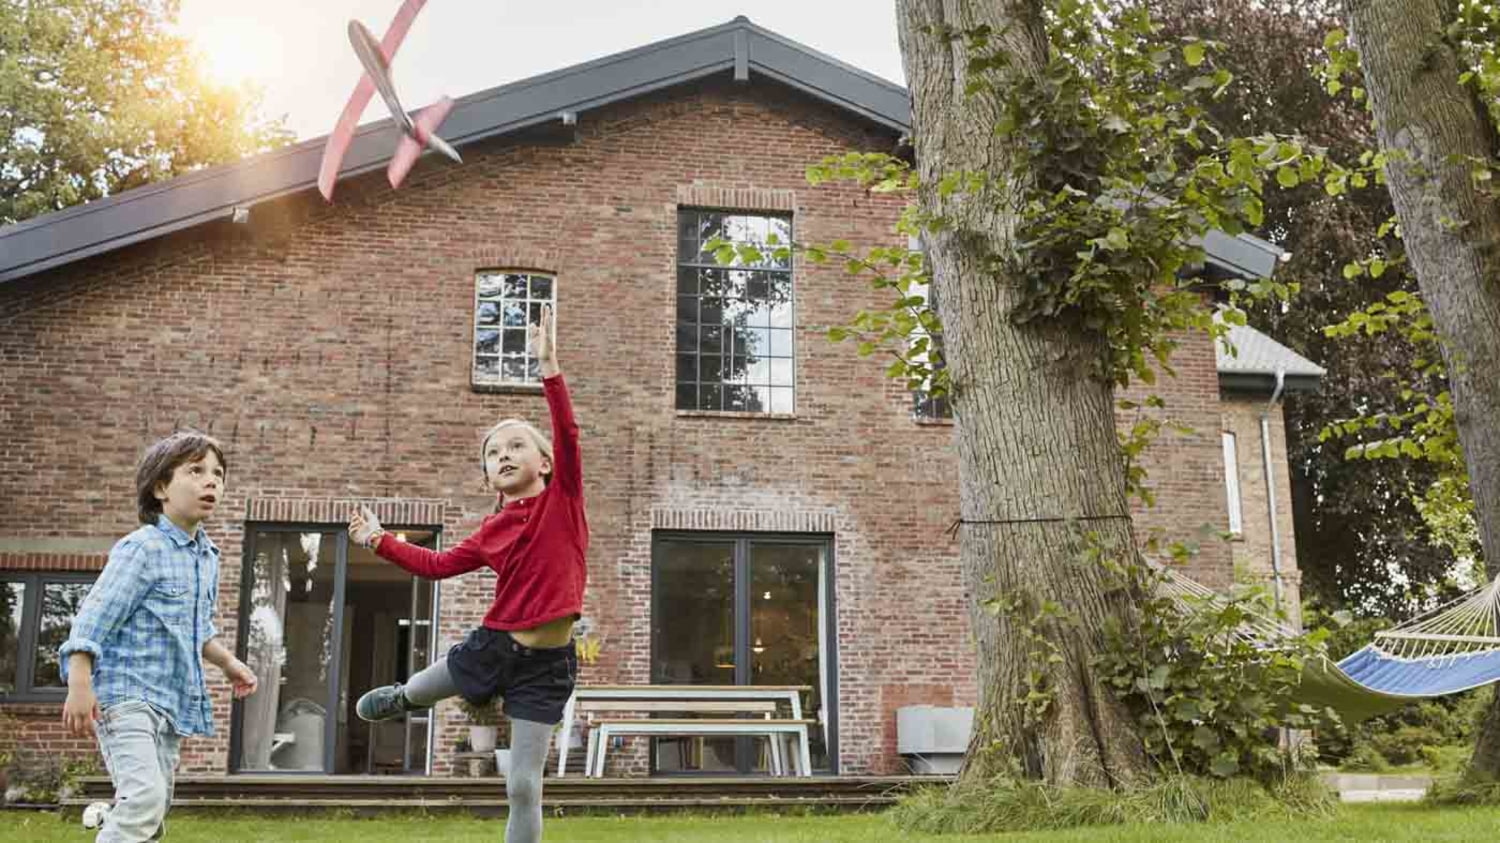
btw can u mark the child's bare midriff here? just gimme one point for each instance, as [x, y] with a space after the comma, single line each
[550, 634]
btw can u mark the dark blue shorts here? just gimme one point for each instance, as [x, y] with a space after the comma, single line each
[535, 683]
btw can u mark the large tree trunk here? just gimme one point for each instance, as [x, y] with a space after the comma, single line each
[1034, 422]
[1452, 232]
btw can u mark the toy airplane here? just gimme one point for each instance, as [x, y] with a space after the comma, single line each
[419, 131]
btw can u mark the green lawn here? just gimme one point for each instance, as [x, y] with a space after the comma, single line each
[1363, 823]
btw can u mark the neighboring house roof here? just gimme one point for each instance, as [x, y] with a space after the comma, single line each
[1248, 361]
[738, 47]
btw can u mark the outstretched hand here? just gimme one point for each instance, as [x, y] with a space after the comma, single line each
[544, 342]
[363, 525]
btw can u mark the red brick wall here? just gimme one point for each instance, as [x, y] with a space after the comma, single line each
[1185, 464]
[1252, 551]
[329, 349]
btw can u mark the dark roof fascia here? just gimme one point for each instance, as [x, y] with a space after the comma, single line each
[214, 193]
[1249, 384]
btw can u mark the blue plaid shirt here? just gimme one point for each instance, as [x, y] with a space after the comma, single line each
[145, 622]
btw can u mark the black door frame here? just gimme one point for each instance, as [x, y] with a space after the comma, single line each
[741, 603]
[335, 667]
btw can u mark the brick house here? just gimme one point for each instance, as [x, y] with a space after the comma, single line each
[766, 507]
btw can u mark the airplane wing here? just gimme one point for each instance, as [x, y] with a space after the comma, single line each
[343, 131]
[378, 71]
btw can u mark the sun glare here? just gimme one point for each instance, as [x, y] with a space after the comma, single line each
[236, 49]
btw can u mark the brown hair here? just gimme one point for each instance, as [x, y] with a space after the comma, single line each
[161, 459]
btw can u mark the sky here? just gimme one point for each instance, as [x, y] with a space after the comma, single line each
[297, 51]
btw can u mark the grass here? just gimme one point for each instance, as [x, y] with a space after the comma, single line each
[1354, 823]
[1009, 804]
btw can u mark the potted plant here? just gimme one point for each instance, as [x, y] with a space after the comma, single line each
[484, 722]
[11, 726]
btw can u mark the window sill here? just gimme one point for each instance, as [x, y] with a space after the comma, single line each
[1237, 537]
[735, 414]
[506, 388]
[31, 704]
[923, 422]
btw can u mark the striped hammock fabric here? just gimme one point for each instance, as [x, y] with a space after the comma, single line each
[1453, 648]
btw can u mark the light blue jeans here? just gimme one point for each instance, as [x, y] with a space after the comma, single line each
[141, 751]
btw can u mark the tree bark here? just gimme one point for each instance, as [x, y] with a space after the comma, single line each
[1034, 425]
[1452, 231]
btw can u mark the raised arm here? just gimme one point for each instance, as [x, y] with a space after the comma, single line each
[567, 457]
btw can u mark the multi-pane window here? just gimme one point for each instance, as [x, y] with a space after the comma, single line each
[1232, 484]
[734, 322]
[505, 304]
[36, 615]
[925, 404]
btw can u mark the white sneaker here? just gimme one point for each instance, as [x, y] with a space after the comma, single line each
[93, 815]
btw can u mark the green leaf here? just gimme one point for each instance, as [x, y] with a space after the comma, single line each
[1158, 678]
[1377, 268]
[1188, 711]
[1287, 177]
[1225, 765]
[1193, 53]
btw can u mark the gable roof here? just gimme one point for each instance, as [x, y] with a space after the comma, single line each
[738, 47]
[1248, 361]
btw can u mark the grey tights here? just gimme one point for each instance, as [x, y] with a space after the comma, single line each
[528, 753]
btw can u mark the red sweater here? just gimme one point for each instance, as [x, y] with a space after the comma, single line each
[536, 546]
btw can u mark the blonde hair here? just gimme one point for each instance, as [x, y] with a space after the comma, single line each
[542, 443]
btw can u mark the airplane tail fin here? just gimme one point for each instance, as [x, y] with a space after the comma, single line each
[426, 123]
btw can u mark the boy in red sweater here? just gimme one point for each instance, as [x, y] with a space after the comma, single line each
[536, 543]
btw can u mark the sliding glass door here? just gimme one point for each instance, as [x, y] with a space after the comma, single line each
[321, 622]
[743, 610]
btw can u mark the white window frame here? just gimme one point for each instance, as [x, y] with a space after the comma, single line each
[494, 300]
[925, 405]
[1232, 483]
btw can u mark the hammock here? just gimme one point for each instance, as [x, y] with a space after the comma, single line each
[1453, 648]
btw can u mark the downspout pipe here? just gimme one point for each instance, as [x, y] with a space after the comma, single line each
[1265, 455]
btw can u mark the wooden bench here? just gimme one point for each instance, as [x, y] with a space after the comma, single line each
[770, 729]
[765, 708]
[687, 699]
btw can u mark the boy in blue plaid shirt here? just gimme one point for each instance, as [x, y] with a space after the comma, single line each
[134, 659]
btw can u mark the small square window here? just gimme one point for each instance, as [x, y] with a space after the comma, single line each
[505, 305]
